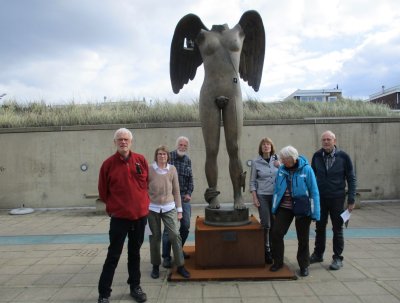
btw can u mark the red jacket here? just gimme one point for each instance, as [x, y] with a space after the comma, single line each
[123, 186]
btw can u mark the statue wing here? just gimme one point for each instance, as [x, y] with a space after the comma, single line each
[185, 56]
[253, 50]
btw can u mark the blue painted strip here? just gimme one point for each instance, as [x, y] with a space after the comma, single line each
[350, 233]
[55, 239]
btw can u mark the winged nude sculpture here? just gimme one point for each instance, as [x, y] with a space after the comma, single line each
[226, 54]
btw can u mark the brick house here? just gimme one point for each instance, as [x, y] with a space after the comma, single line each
[389, 96]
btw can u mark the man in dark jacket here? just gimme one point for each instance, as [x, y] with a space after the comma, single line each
[333, 168]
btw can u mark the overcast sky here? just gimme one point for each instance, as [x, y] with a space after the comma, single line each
[61, 51]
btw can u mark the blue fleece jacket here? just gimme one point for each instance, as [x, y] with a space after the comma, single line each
[304, 183]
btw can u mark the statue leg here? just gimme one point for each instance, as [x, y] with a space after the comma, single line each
[210, 116]
[233, 122]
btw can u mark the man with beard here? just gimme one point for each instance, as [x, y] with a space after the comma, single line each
[183, 164]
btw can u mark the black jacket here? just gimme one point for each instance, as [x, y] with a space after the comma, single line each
[332, 183]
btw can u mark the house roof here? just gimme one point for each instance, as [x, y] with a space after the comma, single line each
[313, 92]
[385, 92]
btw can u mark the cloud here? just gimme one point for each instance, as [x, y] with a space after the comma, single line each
[375, 63]
[66, 50]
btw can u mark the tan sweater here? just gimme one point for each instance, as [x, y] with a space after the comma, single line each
[164, 188]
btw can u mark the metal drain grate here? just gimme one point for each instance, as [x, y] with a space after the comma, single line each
[88, 252]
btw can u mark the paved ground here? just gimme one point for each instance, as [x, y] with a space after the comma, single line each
[57, 255]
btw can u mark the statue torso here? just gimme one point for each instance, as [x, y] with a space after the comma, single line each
[220, 50]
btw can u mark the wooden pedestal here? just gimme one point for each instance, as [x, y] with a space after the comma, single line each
[233, 246]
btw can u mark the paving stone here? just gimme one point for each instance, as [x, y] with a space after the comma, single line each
[330, 288]
[69, 273]
[221, 290]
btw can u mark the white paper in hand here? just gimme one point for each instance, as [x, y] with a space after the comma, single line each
[345, 215]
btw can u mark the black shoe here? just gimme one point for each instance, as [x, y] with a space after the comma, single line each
[185, 255]
[183, 272]
[315, 258]
[304, 271]
[103, 300]
[138, 294]
[275, 267]
[155, 273]
[336, 264]
[268, 258]
[166, 263]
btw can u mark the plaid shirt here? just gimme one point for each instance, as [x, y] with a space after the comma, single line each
[329, 158]
[184, 167]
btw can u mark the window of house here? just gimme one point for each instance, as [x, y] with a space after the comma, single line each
[312, 98]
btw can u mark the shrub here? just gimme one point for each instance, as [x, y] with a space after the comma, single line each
[36, 114]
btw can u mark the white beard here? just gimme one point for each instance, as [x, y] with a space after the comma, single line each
[180, 153]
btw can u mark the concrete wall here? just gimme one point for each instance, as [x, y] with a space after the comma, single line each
[40, 167]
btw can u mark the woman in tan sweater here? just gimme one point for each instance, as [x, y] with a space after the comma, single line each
[165, 206]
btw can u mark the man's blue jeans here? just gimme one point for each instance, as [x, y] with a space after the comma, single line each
[183, 230]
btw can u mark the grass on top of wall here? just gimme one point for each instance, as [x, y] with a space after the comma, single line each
[37, 114]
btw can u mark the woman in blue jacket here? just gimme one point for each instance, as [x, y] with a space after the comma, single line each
[295, 186]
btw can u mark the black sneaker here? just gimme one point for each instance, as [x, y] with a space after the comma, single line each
[268, 258]
[103, 300]
[336, 264]
[166, 263]
[155, 273]
[183, 272]
[138, 294]
[315, 258]
[304, 271]
[275, 267]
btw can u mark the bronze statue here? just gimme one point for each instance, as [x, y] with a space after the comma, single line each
[226, 54]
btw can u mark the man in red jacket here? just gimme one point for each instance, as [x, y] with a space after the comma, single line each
[123, 188]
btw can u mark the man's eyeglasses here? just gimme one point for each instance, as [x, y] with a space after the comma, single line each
[123, 140]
